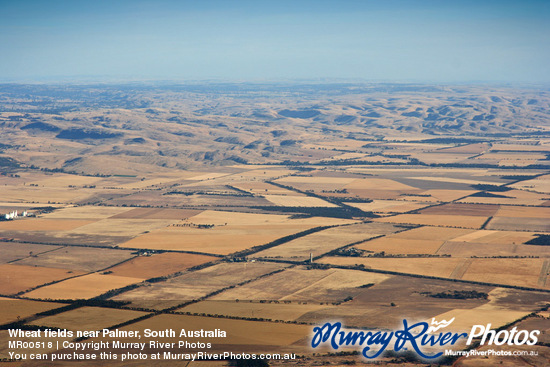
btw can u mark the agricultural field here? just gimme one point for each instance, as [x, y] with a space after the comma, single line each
[40, 224]
[435, 267]
[195, 197]
[82, 287]
[255, 309]
[85, 259]
[121, 227]
[439, 195]
[523, 212]
[264, 188]
[17, 309]
[443, 220]
[289, 200]
[540, 184]
[512, 197]
[302, 284]
[326, 240]
[60, 180]
[315, 183]
[157, 265]
[44, 195]
[85, 212]
[529, 224]
[217, 232]
[496, 249]
[87, 318]
[20, 278]
[196, 284]
[496, 237]
[397, 245]
[531, 273]
[422, 240]
[12, 251]
[389, 206]
[156, 213]
[380, 188]
[470, 210]
[91, 227]
[474, 148]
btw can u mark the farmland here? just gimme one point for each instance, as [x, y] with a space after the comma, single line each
[225, 232]
[437, 267]
[20, 278]
[325, 241]
[159, 264]
[299, 284]
[16, 251]
[267, 214]
[252, 309]
[518, 272]
[78, 258]
[43, 225]
[16, 309]
[421, 240]
[87, 318]
[83, 287]
[443, 220]
[196, 284]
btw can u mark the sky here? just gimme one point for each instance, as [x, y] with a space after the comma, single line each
[371, 40]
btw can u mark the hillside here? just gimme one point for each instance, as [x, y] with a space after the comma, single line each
[143, 128]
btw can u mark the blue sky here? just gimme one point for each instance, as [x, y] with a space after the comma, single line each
[385, 40]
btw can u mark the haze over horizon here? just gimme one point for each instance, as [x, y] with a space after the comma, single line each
[395, 40]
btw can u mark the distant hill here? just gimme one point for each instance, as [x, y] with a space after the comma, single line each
[182, 126]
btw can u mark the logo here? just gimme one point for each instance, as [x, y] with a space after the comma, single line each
[375, 343]
[419, 336]
[512, 337]
[439, 325]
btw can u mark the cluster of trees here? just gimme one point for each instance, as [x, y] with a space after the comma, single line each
[241, 193]
[540, 240]
[492, 188]
[314, 266]
[346, 212]
[457, 294]
[485, 194]
[384, 254]
[349, 252]
[7, 162]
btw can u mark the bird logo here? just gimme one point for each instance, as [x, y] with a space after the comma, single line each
[436, 325]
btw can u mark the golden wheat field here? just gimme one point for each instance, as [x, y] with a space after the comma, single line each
[17, 309]
[82, 287]
[20, 278]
